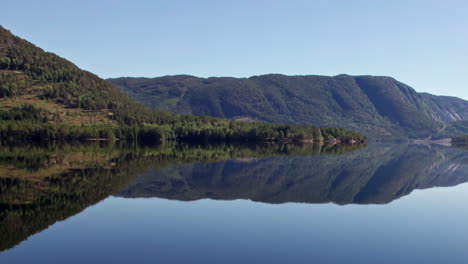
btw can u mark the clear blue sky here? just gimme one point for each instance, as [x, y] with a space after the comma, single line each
[423, 43]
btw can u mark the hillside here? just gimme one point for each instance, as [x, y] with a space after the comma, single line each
[377, 106]
[44, 97]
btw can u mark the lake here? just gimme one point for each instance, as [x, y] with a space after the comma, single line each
[112, 203]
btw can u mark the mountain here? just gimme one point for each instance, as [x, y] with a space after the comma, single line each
[377, 106]
[43, 96]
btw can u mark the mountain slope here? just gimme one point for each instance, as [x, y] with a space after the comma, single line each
[30, 74]
[379, 106]
[43, 96]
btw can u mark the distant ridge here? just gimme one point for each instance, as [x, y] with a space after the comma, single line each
[377, 106]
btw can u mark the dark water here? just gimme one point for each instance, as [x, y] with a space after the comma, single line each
[382, 203]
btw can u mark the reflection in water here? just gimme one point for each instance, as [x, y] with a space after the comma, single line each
[42, 185]
[463, 146]
[378, 174]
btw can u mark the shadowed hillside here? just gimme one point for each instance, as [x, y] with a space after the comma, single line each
[378, 106]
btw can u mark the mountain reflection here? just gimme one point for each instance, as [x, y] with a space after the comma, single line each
[42, 185]
[377, 174]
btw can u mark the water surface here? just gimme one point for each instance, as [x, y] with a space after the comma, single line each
[383, 203]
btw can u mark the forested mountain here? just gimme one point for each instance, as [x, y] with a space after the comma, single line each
[377, 106]
[43, 96]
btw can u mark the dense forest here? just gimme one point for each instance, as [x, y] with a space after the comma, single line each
[381, 107]
[45, 97]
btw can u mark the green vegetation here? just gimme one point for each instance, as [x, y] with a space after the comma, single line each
[380, 107]
[45, 97]
[192, 132]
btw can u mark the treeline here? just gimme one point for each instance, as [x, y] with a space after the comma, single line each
[28, 123]
[153, 134]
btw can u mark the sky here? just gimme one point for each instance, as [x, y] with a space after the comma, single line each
[423, 43]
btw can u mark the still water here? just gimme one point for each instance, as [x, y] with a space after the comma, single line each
[382, 203]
